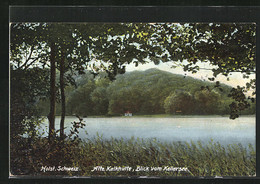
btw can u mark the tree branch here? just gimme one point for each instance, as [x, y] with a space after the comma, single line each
[29, 57]
[31, 63]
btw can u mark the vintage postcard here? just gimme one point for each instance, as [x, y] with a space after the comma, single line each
[132, 99]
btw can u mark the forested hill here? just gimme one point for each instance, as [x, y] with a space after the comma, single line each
[145, 92]
[154, 91]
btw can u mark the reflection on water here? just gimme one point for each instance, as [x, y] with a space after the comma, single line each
[203, 128]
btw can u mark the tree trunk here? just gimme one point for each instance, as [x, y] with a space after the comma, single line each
[51, 115]
[62, 86]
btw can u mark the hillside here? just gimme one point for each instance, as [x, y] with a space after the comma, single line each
[145, 92]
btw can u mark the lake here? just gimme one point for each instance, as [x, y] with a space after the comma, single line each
[167, 129]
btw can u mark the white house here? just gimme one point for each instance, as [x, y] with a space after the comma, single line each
[128, 113]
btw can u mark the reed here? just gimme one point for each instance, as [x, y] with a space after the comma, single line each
[210, 159]
[200, 159]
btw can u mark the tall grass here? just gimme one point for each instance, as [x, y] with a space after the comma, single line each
[211, 159]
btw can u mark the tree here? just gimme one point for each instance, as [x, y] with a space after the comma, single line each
[80, 102]
[228, 48]
[207, 101]
[179, 102]
[99, 97]
[27, 87]
[39, 42]
[112, 46]
[27, 82]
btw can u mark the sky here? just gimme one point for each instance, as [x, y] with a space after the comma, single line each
[235, 79]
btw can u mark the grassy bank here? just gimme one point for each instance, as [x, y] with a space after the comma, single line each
[200, 160]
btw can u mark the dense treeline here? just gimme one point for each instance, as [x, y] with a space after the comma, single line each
[145, 92]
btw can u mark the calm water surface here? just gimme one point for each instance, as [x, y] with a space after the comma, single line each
[203, 128]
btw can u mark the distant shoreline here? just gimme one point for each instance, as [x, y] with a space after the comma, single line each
[160, 116]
